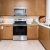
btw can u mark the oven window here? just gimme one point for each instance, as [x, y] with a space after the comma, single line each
[19, 30]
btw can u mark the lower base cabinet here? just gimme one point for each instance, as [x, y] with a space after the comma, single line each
[0, 32]
[7, 32]
[32, 32]
[44, 37]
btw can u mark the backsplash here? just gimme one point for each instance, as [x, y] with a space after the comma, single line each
[7, 20]
[10, 20]
[30, 19]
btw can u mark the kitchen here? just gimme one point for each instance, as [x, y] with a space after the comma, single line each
[25, 21]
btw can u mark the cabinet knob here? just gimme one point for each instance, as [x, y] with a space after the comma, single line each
[1, 27]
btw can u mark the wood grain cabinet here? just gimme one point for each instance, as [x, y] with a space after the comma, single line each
[0, 31]
[7, 8]
[44, 37]
[4, 7]
[34, 7]
[17, 3]
[7, 32]
[41, 33]
[0, 6]
[10, 7]
[41, 7]
[31, 7]
[32, 32]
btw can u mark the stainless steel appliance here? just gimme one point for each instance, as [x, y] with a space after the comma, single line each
[20, 30]
[19, 12]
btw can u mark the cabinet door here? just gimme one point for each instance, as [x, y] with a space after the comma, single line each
[24, 3]
[4, 8]
[20, 3]
[17, 3]
[46, 38]
[31, 32]
[10, 7]
[7, 8]
[0, 6]
[7, 32]
[31, 7]
[40, 32]
[36, 27]
[0, 31]
[49, 39]
[41, 7]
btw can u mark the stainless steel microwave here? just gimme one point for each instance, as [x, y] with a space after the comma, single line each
[19, 12]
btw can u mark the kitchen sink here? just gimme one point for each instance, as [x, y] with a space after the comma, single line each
[47, 24]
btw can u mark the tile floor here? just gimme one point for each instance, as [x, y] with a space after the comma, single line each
[20, 45]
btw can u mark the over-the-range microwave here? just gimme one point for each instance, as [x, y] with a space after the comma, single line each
[20, 12]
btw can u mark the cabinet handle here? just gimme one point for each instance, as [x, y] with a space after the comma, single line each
[7, 26]
[31, 26]
[1, 27]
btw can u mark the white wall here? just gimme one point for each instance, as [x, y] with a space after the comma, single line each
[48, 11]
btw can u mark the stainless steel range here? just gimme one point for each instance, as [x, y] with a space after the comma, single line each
[20, 29]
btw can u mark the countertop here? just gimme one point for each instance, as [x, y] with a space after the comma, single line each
[6, 23]
[42, 24]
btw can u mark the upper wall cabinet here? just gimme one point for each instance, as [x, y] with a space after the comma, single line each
[4, 7]
[0, 6]
[28, 4]
[31, 7]
[10, 7]
[34, 7]
[7, 7]
[20, 3]
[17, 3]
[41, 7]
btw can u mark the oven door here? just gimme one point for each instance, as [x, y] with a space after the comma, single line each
[19, 30]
